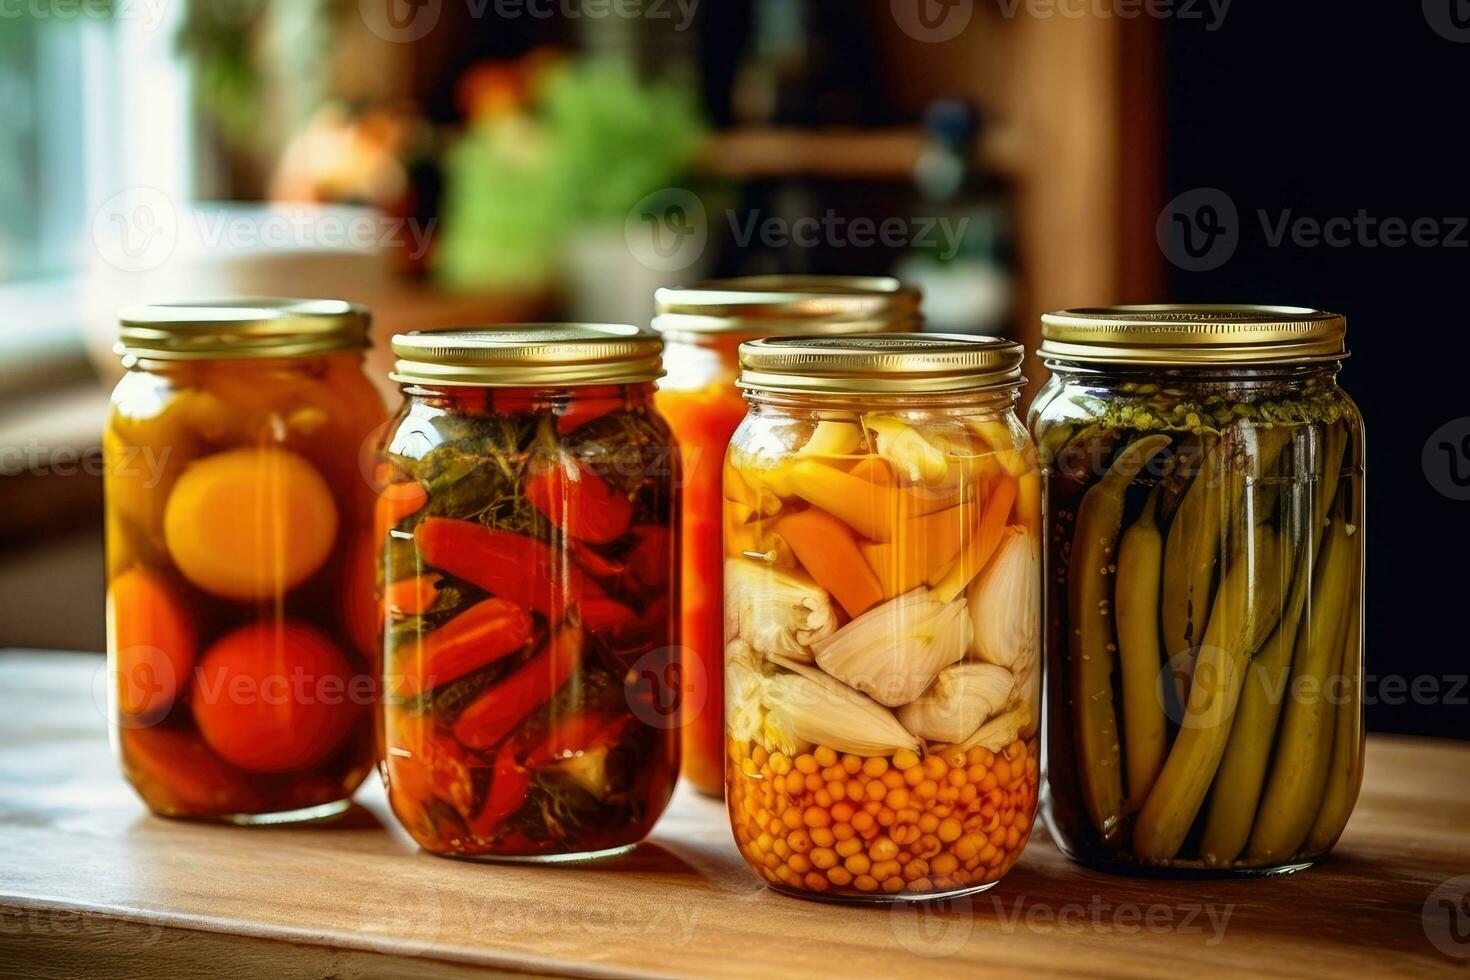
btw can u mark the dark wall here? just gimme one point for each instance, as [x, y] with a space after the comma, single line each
[1326, 110]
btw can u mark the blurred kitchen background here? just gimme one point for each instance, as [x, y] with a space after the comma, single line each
[453, 162]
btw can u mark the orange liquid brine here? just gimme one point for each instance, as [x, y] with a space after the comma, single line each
[882, 652]
[703, 421]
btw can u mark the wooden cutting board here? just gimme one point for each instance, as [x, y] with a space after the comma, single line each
[91, 884]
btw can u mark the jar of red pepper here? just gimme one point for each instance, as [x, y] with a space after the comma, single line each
[529, 605]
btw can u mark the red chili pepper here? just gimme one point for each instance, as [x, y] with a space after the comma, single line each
[470, 400]
[519, 401]
[580, 502]
[507, 793]
[603, 615]
[654, 627]
[588, 405]
[497, 711]
[397, 501]
[486, 632]
[650, 562]
[517, 568]
[431, 766]
[506, 564]
[582, 732]
[411, 596]
[596, 564]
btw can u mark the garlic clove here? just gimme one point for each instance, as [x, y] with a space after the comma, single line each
[909, 452]
[833, 438]
[998, 732]
[1005, 603]
[893, 651]
[806, 706]
[775, 611]
[962, 698]
[744, 708]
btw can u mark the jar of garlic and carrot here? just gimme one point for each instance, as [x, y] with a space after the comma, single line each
[882, 591]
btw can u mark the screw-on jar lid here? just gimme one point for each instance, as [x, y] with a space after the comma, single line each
[238, 328]
[1194, 335]
[516, 355]
[782, 305]
[889, 364]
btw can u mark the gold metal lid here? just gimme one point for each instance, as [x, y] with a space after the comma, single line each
[788, 305]
[892, 364]
[247, 327]
[515, 355]
[1193, 335]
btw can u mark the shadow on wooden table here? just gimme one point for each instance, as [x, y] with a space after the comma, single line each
[355, 819]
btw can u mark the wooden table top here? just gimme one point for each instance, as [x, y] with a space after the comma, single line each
[90, 883]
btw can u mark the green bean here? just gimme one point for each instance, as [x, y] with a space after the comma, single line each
[1333, 449]
[1175, 482]
[1261, 486]
[1190, 554]
[1246, 607]
[1228, 482]
[1345, 776]
[1099, 518]
[1242, 773]
[1298, 775]
[1136, 598]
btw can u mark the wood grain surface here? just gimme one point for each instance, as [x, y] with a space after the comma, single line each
[91, 884]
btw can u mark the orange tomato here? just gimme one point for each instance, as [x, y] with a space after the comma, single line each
[273, 697]
[153, 639]
[250, 523]
[177, 775]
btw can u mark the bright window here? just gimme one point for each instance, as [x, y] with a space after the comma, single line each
[94, 101]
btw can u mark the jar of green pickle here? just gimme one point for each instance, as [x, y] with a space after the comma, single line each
[1204, 524]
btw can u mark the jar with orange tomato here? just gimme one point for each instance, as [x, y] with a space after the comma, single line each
[703, 326]
[240, 603]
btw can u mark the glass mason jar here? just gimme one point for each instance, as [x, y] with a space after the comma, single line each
[882, 616]
[237, 566]
[703, 326]
[528, 543]
[1204, 501]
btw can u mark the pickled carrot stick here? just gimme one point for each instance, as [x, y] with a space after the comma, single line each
[851, 499]
[825, 546]
[982, 545]
[922, 547]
